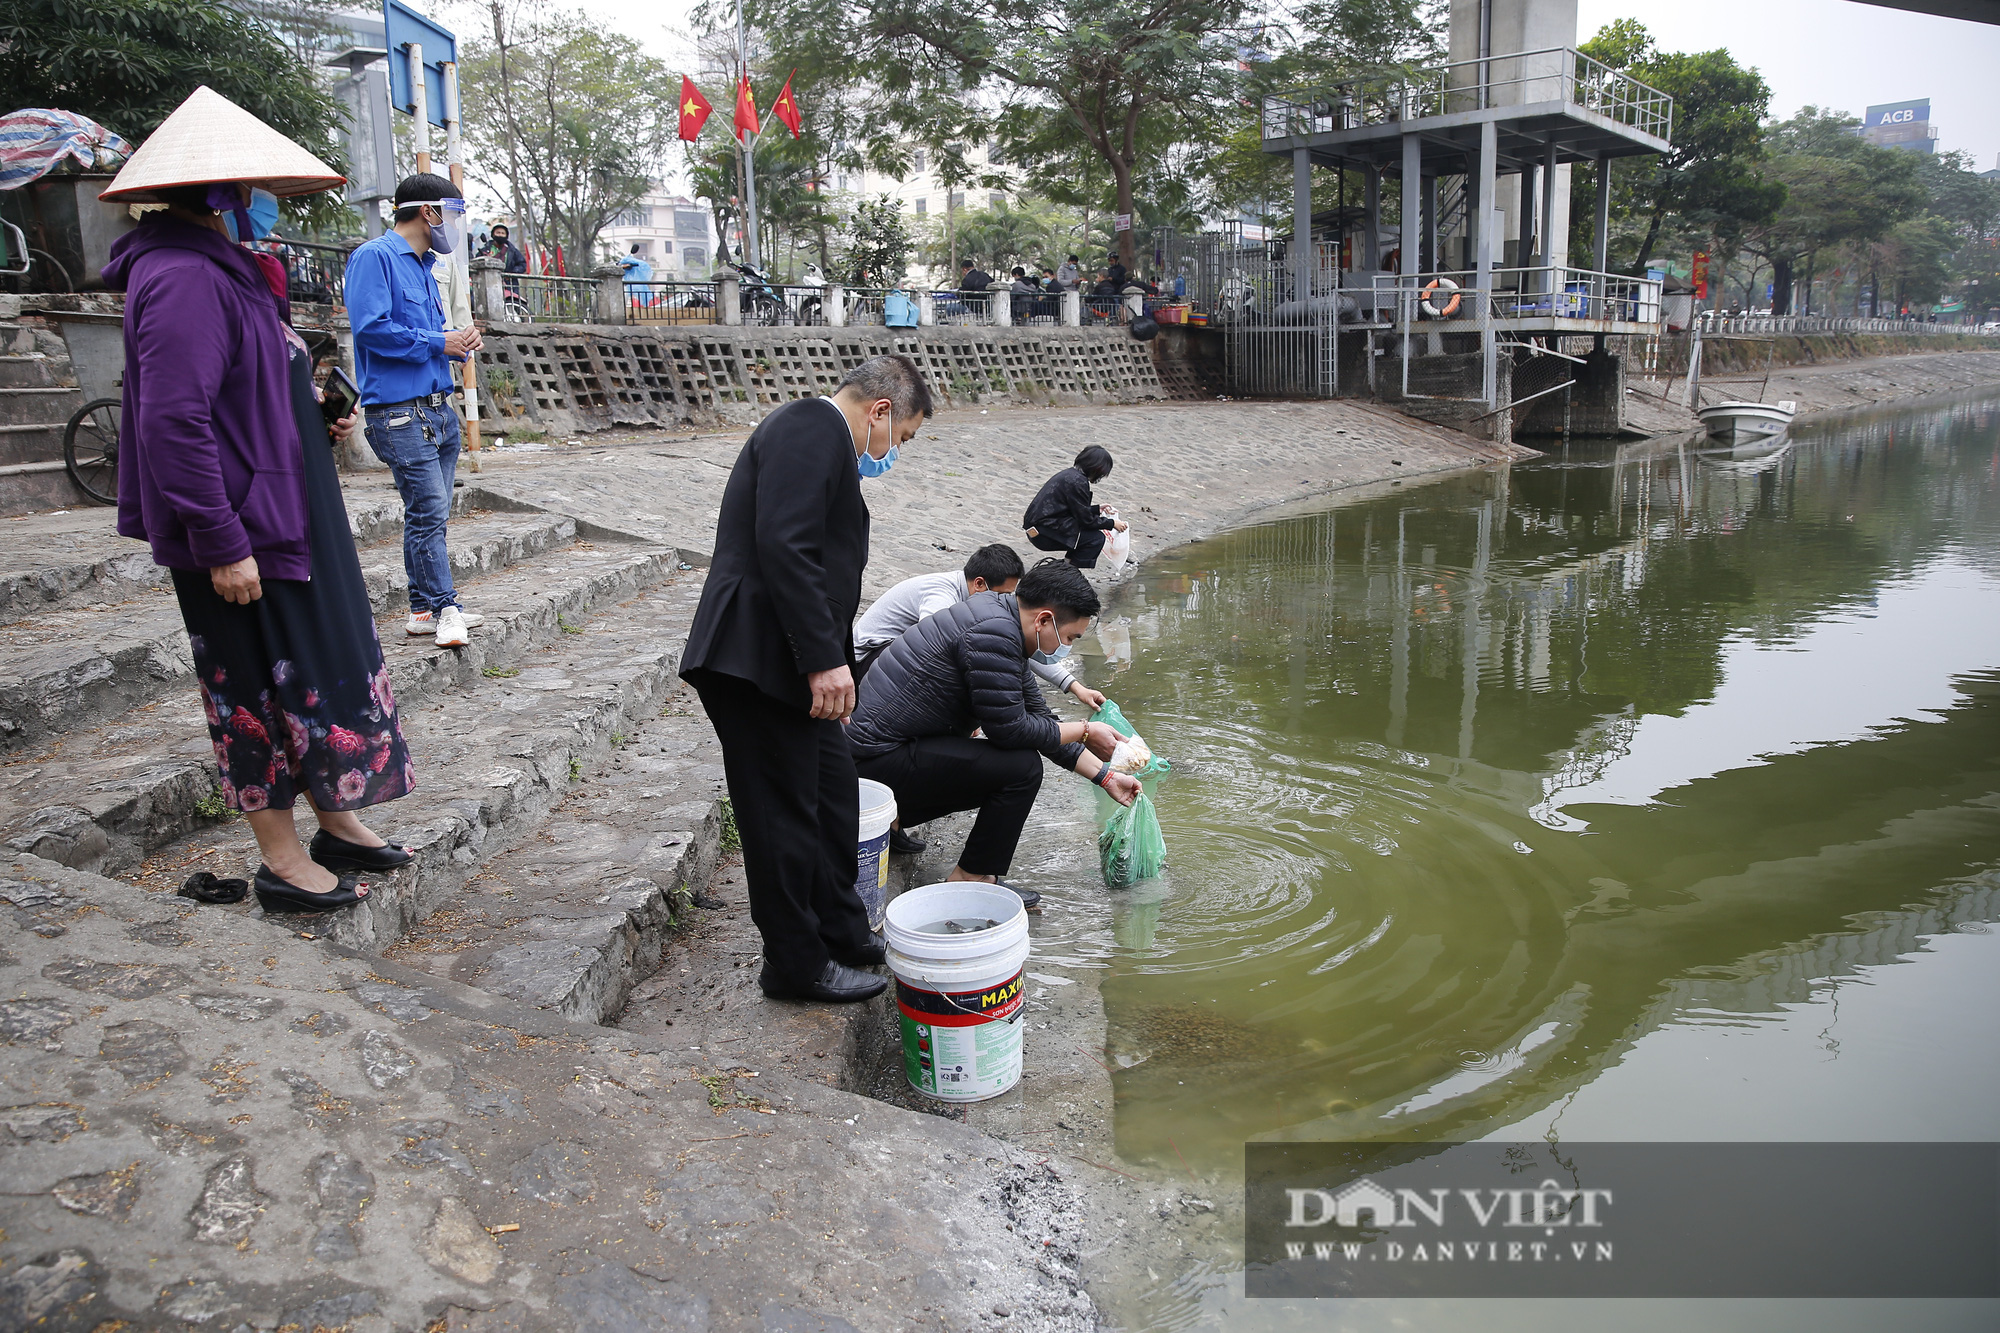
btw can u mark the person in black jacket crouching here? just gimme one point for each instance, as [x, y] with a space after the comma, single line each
[772, 655]
[965, 669]
[1063, 517]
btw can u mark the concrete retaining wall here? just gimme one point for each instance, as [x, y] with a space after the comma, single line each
[569, 378]
[1751, 353]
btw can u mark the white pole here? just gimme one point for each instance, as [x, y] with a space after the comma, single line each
[420, 103]
[455, 164]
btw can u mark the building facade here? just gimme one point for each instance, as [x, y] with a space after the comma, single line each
[673, 233]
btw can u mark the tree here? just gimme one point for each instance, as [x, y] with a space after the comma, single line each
[1840, 190]
[1113, 77]
[577, 124]
[1327, 42]
[1710, 183]
[128, 63]
[878, 244]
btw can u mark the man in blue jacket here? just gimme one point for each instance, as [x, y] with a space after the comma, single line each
[403, 355]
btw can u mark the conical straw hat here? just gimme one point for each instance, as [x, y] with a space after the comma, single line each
[210, 138]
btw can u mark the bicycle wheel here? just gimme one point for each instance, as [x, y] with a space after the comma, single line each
[90, 449]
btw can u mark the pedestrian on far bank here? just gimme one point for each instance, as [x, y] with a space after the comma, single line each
[1070, 274]
[1022, 293]
[771, 654]
[229, 475]
[1063, 517]
[403, 354]
[975, 285]
[500, 245]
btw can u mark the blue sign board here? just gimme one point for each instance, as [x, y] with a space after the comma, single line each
[404, 26]
[1898, 113]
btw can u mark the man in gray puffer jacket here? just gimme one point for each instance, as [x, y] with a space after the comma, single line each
[965, 669]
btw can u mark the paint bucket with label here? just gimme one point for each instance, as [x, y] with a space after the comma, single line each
[957, 951]
[871, 856]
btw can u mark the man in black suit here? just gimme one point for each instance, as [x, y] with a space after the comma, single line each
[772, 655]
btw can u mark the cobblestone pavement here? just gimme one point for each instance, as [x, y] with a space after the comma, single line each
[1183, 470]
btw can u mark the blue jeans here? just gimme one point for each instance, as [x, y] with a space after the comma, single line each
[420, 445]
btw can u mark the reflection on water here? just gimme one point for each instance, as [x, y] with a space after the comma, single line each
[1479, 784]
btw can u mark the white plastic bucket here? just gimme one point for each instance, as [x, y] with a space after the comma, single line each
[871, 858]
[959, 996]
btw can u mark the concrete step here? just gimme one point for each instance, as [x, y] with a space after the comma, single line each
[68, 667]
[495, 760]
[38, 440]
[583, 910]
[25, 371]
[43, 403]
[102, 799]
[52, 562]
[43, 490]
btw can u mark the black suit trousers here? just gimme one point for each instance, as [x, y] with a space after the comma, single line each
[797, 802]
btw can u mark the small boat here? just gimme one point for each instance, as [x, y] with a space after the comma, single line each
[1747, 421]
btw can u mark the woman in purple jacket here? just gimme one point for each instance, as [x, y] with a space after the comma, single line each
[231, 479]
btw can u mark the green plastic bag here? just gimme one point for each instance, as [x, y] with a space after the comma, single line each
[1130, 845]
[1114, 717]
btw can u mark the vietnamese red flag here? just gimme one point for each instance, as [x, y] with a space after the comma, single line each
[694, 109]
[746, 108]
[786, 108]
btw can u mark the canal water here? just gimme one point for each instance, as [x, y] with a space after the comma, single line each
[1643, 793]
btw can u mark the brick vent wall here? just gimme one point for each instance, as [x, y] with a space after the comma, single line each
[569, 378]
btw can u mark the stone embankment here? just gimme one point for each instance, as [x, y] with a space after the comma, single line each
[416, 1114]
[1738, 370]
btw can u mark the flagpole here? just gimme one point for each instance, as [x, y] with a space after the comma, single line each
[749, 142]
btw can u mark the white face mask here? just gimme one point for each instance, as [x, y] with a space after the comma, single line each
[1049, 659]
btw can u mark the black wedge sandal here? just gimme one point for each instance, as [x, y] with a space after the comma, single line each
[204, 887]
[280, 896]
[341, 856]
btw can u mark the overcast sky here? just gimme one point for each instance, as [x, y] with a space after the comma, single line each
[1833, 53]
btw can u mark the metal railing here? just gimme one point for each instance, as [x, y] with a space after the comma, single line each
[1553, 74]
[1105, 310]
[1715, 325]
[313, 272]
[670, 303]
[782, 305]
[955, 307]
[536, 299]
[1550, 291]
[864, 304]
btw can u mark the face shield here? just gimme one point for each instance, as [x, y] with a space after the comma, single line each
[448, 238]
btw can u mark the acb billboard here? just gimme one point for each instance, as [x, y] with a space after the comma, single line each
[1899, 125]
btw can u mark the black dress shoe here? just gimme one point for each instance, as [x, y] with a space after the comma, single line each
[340, 855]
[868, 955]
[1030, 900]
[278, 896]
[835, 985]
[902, 842]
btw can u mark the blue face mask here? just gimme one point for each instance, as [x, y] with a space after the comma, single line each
[869, 466]
[260, 216]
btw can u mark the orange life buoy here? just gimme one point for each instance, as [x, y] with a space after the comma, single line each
[1450, 307]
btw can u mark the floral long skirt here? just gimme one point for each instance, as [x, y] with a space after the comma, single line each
[294, 685]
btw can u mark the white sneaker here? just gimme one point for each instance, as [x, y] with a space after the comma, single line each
[423, 625]
[451, 628]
